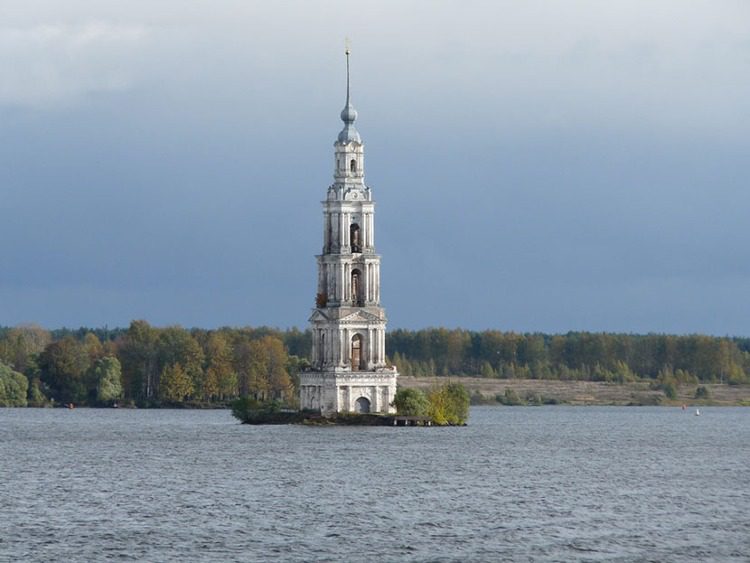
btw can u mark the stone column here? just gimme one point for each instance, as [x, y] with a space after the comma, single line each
[342, 230]
[340, 282]
[347, 282]
[316, 344]
[371, 347]
[382, 346]
[336, 242]
[377, 282]
[329, 282]
[347, 347]
[373, 280]
[342, 347]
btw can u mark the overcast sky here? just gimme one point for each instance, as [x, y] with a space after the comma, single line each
[537, 165]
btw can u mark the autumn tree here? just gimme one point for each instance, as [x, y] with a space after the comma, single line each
[449, 404]
[175, 384]
[221, 379]
[175, 345]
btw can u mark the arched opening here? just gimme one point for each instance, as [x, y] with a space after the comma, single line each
[362, 405]
[357, 358]
[357, 300]
[353, 165]
[354, 238]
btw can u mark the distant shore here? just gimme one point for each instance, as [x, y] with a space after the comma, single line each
[539, 391]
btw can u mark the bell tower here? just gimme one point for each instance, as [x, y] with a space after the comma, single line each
[349, 372]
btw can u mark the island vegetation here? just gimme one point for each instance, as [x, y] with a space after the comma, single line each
[149, 366]
[443, 405]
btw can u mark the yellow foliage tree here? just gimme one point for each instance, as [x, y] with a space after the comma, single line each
[175, 384]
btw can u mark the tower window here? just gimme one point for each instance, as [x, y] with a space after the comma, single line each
[357, 300]
[357, 359]
[353, 165]
[354, 240]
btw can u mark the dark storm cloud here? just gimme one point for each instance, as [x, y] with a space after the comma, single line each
[537, 166]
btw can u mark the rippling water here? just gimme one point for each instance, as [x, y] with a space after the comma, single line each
[548, 483]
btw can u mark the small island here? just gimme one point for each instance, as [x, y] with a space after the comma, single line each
[446, 405]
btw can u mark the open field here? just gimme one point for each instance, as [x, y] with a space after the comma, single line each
[589, 392]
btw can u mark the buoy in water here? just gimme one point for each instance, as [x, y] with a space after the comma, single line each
[697, 412]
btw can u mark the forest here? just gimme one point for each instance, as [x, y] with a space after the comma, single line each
[145, 365]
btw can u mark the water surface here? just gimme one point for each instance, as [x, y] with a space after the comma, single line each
[549, 483]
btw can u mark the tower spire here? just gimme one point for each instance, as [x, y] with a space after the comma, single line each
[348, 50]
[348, 114]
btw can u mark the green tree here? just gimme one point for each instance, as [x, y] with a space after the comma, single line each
[13, 387]
[63, 366]
[36, 396]
[20, 346]
[411, 402]
[457, 402]
[107, 373]
[137, 353]
[175, 384]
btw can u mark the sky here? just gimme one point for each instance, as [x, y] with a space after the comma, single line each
[537, 165]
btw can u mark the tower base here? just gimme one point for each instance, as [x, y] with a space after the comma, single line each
[333, 391]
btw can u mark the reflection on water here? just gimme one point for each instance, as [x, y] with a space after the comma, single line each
[547, 483]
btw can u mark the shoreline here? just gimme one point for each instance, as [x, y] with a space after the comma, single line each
[585, 393]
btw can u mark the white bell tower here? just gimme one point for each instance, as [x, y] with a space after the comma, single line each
[349, 371]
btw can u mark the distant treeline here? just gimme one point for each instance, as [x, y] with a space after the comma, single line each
[572, 356]
[147, 365]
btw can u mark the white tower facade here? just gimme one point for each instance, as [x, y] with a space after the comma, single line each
[349, 372]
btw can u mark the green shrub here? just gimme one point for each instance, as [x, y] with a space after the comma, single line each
[669, 390]
[13, 387]
[449, 404]
[411, 402]
[509, 397]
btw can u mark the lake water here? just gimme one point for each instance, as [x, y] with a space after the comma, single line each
[550, 483]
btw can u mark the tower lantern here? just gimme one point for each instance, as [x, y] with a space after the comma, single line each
[349, 372]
